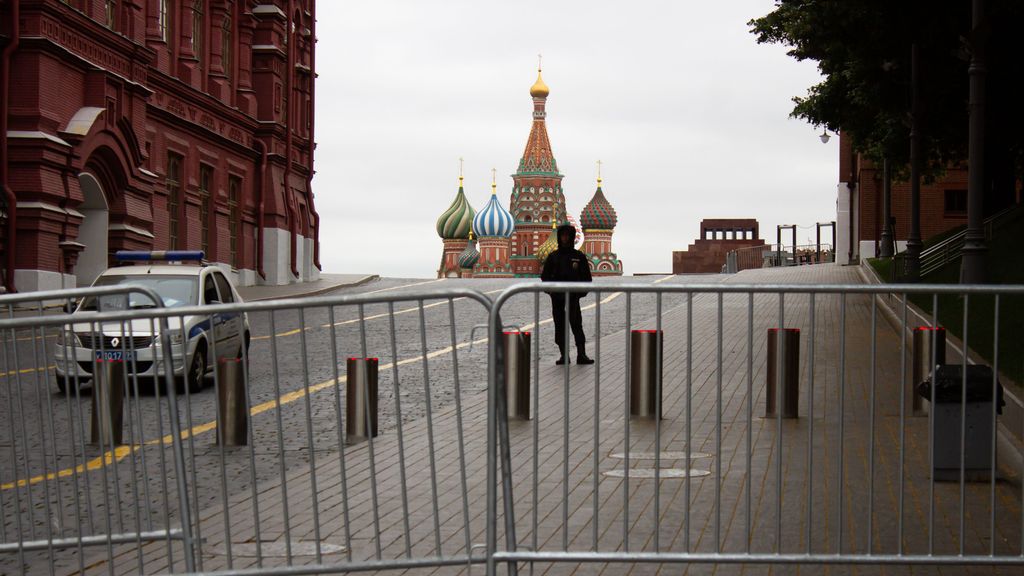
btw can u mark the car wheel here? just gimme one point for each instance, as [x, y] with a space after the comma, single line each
[63, 384]
[196, 375]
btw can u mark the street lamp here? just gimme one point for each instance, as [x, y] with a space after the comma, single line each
[824, 136]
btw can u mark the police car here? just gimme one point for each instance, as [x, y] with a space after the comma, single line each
[82, 347]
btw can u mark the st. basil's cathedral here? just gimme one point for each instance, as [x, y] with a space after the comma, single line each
[504, 243]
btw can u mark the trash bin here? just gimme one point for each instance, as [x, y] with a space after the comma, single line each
[645, 373]
[361, 398]
[784, 367]
[517, 373]
[946, 423]
[925, 337]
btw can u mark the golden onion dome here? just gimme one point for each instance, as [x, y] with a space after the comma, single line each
[549, 245]
[539, 88]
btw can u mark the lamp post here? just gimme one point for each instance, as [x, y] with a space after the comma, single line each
[972, 262]
[886, 248]
[914, 244]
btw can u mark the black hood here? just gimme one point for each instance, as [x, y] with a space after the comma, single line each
[566, 229]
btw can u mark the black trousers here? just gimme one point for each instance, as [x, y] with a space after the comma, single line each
[575, 319]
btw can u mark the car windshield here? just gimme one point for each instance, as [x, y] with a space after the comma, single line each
[174, 290]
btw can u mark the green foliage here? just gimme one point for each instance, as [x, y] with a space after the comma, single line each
[863, 48]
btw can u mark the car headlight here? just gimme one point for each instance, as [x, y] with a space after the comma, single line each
[68, 338]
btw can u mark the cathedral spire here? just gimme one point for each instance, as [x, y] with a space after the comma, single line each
[538, 156]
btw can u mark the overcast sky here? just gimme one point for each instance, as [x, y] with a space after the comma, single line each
[688, 114]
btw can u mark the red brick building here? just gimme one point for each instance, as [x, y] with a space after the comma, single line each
[718, 236]
[157, 124]
[859, 206]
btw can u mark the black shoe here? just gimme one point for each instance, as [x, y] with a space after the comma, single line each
[561, 361]
[582, 359]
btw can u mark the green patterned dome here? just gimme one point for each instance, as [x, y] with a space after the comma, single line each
[598, 214]
[457, 220]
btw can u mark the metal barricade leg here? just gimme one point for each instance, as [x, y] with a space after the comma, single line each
[108, 404]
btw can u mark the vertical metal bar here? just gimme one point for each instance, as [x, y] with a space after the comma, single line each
[995, 402]
[189, 551]
[689, 414]
[459, 430]
[215, 359]
[493, 330]
[107, 522]
[401, 436]
[341, 427]
[133, 402]
[24, 436]
[369, 439]
[191, 438]
[168, 378]
[430, 428]
[20, 529]
[142, 433]
[779, 360]
[254, 493]
[42, 444]
[750, 419]
[68, 339]
[625, 420]
[315, 495]
[657, 425]
[810, 425]
[42, 383]
[903, 427]
[597, 417]
[536, 418]
[871, 427]
[963, 424]
[718, 433]
[566, 328]
[281, 454]
[931, 436]
[842, 412]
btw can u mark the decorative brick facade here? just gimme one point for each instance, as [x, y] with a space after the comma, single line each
[159, 124]
[718, 236]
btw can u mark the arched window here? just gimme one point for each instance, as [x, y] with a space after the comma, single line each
[226, 45]
[111, 13]
[205, 182]
[197, 30]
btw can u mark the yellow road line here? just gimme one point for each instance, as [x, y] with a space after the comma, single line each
[121, 452]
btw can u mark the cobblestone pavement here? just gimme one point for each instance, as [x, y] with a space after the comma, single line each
[51, 426]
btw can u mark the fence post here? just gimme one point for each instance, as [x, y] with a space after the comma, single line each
[108, 403]
[361, 398]
[517, 373]
[645, 373]
[232, 409]
[784, 369]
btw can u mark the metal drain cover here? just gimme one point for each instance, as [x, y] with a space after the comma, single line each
[664, 473]
[668, 455]
[278, 549]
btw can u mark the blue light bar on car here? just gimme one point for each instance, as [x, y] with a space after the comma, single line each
[160, 256]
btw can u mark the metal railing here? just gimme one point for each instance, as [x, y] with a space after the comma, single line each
[772, 255]
[451, 480]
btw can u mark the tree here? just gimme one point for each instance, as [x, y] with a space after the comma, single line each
[863, 48]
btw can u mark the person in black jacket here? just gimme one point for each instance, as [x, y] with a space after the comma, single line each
[567, 264]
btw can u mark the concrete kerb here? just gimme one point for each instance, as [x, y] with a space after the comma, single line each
[317, 291]
[1010, 425]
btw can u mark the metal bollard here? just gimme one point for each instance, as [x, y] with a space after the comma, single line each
[517, 373]
[360, 391]
[108, 403]
[232, 408]
[645, 373]
[784, 365]
[923, 365]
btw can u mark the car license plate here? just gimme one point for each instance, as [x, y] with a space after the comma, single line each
[114, 356]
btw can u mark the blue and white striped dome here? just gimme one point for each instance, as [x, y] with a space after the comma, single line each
[493, 220]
